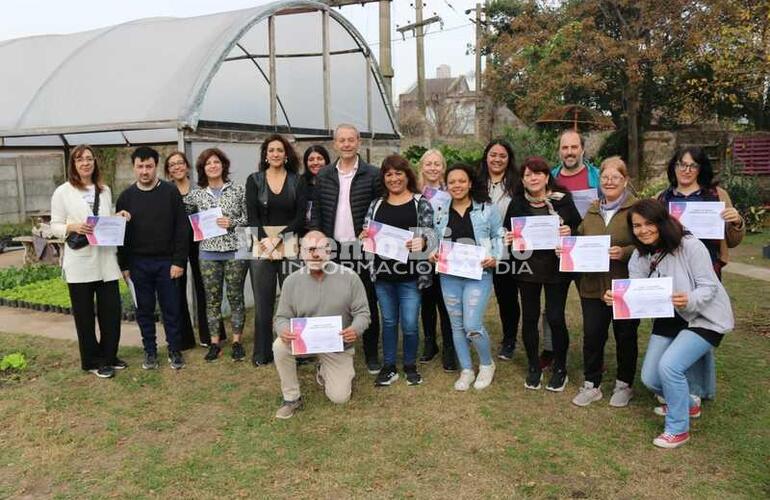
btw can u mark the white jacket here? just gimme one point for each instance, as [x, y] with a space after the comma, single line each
[89, 263]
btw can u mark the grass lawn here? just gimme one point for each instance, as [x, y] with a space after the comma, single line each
[208, 430]
[750, 249]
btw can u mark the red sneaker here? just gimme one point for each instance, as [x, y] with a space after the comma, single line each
[663, 410]
[670, 441]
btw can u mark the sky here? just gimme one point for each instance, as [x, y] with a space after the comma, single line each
[442, 46]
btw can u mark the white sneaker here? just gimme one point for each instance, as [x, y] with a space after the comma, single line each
[486, 374]
[466, 379]
[621, 394]
[587, 394]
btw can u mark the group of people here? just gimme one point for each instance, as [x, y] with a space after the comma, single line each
[332, 208]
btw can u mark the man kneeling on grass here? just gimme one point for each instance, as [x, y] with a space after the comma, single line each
[320, 288]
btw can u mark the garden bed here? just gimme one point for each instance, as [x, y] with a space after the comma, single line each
[41, 288]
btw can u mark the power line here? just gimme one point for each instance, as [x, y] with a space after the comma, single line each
[453, 28]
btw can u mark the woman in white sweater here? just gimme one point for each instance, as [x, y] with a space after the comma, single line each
[90, 271]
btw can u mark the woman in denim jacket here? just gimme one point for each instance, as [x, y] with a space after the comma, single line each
[471, 219]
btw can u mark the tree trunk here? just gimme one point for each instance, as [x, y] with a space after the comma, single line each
[634, 139]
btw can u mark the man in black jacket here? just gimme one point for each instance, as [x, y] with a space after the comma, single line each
[154, 254]
[342, 196]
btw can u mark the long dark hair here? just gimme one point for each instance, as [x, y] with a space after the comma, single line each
[478, 192]
[398, 162]
[73, 177]
[705, 170]
[292, 163]
[315, 148]
[511, 175]
[538, 164]
[670, 231]
[200, 165]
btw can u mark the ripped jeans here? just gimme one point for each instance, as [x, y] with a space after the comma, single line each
[466, 302]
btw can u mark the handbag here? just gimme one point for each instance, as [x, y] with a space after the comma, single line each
[76, 241]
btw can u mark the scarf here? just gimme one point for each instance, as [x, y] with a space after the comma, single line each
[615, 205]
[546, 200]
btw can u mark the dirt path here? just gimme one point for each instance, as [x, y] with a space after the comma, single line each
[756, 272]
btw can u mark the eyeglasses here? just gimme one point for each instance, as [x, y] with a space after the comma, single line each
[684, 167]
[614, 178]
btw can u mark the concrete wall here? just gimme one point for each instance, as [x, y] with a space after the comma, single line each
[27, 181]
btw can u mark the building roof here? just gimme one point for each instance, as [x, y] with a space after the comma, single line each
[143, 80]
[437, 86]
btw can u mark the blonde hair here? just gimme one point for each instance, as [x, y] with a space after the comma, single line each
[421, 179]
[615, 162]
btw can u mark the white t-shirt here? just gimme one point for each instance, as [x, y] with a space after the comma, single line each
[89, 196]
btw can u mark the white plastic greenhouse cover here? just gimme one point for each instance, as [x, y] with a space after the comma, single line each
[143, 80]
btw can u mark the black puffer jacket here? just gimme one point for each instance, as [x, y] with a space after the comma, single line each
[364, 188]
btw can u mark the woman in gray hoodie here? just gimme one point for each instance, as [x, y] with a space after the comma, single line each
[702, 313]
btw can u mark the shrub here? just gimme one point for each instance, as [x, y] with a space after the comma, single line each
[9, 230]
[533, 142]
[13, 277]
[14, 361]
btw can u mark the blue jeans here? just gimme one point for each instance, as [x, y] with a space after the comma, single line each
[399, 302]
[664, 372]
[466, 302]
[151, 277]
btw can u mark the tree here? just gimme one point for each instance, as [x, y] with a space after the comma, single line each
[672, 60]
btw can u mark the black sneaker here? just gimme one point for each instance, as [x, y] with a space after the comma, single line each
[534, 379]
[428, 353]
[150, 361]
[238, 352]
[412, 377]
[214, 352]
[103, 372]
[506, 352]
[373, 366]
[119, 364]
[176, 360]
[558, 380]
[386, 377]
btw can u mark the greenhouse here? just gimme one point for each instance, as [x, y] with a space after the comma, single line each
[293, 67]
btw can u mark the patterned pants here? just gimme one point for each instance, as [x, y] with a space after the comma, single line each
[232, 273]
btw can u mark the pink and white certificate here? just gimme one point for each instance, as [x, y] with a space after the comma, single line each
[387, 241]
[459, 259]
[585, 254]
[537, 232]
[316, 335]
[204, 224]
[109, 231]
[642, 298]
[701, 218]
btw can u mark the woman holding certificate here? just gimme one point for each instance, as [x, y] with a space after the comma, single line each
[177, 170]
[691, 179]
[472, 229]
[702, 313]
[432, 166]
[277, 207]
[91, 272]
[217, 254]
[543, 212]
[398, 281]
[608, 216]
[499, 173]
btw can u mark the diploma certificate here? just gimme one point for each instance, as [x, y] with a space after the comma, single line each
[109, 231]
[438, 199]
[642, 298]
[583, 199]
[585, 254]
[316, 335]
[387, 241]
[204, 224]
[701, 218]
[459, 259]
[538, 232]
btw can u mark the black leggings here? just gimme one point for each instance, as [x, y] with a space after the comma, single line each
[555, 302]
[597, 317]
[506, 292]
[96, 353]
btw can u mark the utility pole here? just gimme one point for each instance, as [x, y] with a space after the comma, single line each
[418, 28]
[480, 107]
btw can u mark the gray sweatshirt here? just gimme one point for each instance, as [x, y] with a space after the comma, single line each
[339, 293]
[708, 305]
